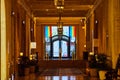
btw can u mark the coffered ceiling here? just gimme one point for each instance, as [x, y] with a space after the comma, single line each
[72, 8]
[45, 11]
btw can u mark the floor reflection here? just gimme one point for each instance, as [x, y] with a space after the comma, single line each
[34, 77]
[62, 74]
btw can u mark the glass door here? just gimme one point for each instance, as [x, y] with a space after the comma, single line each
[64, 47]
[56, 48]
[60, 46]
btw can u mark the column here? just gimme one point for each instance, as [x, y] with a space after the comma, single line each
[114, 30]
[3, 42]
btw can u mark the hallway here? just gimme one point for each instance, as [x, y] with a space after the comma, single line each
[57, 74]
[63, 38]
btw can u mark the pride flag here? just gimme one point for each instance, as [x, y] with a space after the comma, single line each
[72, 31]
[48, 31]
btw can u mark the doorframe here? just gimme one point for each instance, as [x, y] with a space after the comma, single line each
[60, 38]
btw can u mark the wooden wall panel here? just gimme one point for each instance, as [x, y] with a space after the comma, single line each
[39, 41]
[102, 23]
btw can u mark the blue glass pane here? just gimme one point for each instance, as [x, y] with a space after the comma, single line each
[72, 48]
[48, 48]
[56, 49]
[47, 39]
[72, 39]
[64, 77]
[54, 30]
[64, 49]
[72, 77]
[66, 30]
[56, 78]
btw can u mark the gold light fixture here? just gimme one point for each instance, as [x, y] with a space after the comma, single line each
[60, 26]
[60, 6]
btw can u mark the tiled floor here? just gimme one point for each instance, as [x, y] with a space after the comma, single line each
[57, 74]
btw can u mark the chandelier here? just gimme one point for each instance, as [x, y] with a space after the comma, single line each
[60, 6]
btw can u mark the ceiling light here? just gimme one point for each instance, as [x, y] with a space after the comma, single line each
[59, 4]
[47, 10]
[73, 9]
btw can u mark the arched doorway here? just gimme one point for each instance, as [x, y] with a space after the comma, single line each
[60, 44]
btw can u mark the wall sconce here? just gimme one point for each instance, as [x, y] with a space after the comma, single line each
[21, 53]
[23, 22]
[31, 57]
[91, 53]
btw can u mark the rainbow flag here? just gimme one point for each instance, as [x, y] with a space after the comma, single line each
[72, 31]
[48, 31]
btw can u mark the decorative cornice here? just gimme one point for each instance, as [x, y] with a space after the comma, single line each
[91, 11]
[25, 6]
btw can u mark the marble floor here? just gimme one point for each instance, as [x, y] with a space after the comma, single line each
[57, 74]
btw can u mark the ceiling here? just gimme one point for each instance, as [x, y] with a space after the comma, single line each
[72, 8]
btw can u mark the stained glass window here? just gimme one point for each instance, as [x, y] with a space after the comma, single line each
[54, 44]
[66, 30]
[72, 40]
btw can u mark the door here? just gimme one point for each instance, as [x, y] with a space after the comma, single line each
[60, 46]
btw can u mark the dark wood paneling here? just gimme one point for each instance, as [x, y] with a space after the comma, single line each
[62, 64]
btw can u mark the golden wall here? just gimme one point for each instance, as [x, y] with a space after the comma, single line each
[97, 29]
[107, 15]
[114, 29]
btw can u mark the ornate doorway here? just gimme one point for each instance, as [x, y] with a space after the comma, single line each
[56, 44]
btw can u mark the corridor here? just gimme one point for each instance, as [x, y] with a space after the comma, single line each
[63, 38]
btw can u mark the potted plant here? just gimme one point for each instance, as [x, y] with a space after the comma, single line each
[92, 66]
[32, 65]
[98, 64]
[102, 65]
[23, 65]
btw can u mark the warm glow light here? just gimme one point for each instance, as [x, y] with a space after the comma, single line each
[21, 53]
[91, 53]
[60, 7]
[83, 27]
[85, 46]
[33, 45]
[60, 24]
[59, 2]
[31, 57]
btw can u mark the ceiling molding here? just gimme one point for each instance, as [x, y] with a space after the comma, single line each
[91, 11]
[25, 7]
[54, 20]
